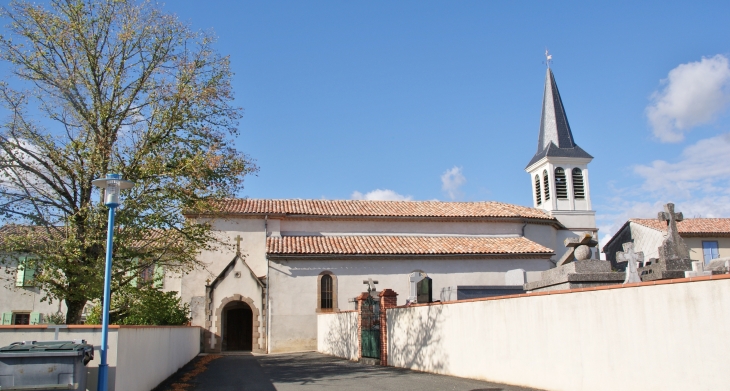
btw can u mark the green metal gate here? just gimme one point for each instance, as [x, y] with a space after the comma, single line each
[370, 328]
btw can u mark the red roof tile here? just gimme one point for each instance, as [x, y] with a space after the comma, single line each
[381, 208]
[401, 245]
[692, 227]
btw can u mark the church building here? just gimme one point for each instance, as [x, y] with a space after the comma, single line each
[291, 259]
[288, 260]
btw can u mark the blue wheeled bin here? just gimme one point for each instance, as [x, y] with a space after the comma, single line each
[45, 365]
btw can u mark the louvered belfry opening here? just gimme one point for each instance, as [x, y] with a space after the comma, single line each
[578, 187]
[326, 292]
[546, 185]
[538, 196]
[561, 186]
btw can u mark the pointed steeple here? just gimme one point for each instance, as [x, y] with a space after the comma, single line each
[555, 138]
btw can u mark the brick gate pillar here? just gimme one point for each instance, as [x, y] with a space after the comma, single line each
[388, 299]
[363, 296]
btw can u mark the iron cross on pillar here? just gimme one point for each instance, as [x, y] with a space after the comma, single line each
[371, 284]
[238, 245]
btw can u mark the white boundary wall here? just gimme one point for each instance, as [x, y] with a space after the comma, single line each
[337, 334]
[667, 336]
[148, 354]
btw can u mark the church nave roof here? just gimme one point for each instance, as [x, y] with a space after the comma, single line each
[346, 208]
[402, 245]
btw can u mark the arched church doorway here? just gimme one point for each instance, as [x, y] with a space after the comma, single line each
[237, 326]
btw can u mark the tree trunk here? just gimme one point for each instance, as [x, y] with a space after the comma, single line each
[75, 308]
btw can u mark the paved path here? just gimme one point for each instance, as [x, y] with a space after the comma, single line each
[312, 371]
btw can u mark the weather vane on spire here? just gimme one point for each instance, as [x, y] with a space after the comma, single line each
[548, 58]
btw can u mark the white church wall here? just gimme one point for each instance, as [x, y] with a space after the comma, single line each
[655, 336]
[293, 227]
[293, 288]
[253, 248]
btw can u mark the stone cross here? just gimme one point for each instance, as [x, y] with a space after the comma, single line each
[673, 246]
[632, 259]
[370, 283]
[238, 244]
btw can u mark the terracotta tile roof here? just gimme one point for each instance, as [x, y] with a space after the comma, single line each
[692, 227]
[401, 245]
[381, 208]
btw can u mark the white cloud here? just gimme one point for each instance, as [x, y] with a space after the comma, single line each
[379, 195]
[693, 94]
[451, 181]
[698, 183]
[703, 169]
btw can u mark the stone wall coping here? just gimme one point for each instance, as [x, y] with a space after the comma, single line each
[581, 290]
[84, 326]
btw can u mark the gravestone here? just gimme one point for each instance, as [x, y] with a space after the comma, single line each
[632, 259]
[673, 258]
[698, 270]
[579, 248]
[719, 266]
[424, 290]
[574, 270]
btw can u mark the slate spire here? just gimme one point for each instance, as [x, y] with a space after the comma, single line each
[556, 138]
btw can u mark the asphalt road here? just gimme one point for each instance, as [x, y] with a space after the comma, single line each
[311, 371]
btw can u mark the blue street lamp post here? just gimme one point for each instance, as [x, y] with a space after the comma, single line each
[112, 184]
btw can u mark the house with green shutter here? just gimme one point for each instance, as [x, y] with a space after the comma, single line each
[20, 302]
[21, 298]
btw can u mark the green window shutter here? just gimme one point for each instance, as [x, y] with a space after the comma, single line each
[35, 318]
[20, 277]
[29, 275]
[7, 318]
[159, 277]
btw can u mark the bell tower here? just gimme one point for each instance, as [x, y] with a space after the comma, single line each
[559, 169]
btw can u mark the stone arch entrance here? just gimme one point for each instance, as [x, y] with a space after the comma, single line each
[237, 325]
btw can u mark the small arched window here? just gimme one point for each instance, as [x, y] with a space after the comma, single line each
[545, 185]
[561, 186]
[538, 195]
[326, 292]
[578, 187]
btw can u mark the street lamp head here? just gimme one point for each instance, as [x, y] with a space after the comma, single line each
[112, 184]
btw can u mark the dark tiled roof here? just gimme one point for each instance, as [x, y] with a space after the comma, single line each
[346, 208]
[402, 245]
[555, 138]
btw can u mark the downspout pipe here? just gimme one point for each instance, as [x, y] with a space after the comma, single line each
[268, 283]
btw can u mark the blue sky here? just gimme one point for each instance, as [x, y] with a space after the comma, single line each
[345, 98]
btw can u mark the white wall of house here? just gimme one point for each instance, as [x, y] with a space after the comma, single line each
[24, 299]
[695, 246]
[648, 337]
[294, 285]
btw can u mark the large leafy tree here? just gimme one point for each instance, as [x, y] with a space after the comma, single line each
[111, 86]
